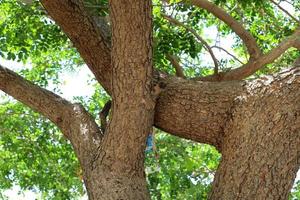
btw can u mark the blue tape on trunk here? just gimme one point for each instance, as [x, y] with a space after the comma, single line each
[149, 143]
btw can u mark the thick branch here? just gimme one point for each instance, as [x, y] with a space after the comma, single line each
[45, 102]
[84, 34]
[221, 14]
[196, 110]
[206, 45]
[178, 68]
[72, 119]
[73, 19]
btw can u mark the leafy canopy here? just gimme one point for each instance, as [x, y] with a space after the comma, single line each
[33, 152]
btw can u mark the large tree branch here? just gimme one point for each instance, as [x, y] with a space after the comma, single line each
[237, 27]
[85, 35]
[72, 119]
[196, 110]
[45, 102]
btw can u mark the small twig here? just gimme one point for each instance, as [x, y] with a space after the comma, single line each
[230, 54]
[103, 115]
[174, 60]
[285, 11]
[205, 44]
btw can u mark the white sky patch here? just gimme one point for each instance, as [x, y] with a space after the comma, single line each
[288, 7]
[75, 84]
[15, 193]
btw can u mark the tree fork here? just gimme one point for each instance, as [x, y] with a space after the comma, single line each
[261, 144]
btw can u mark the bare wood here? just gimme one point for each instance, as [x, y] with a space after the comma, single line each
[178, 68]
[237, 27]
[206, 45]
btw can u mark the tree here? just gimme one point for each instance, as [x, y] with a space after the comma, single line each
[254, 123]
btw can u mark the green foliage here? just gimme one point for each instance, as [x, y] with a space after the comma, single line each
[97, 7]
[27, 35]
[33, 152]
[35, 155]
[180, 169]
[295, 194]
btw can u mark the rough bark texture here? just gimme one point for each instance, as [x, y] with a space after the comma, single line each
[85, 36]
[196, 110]
[254, 124]
[118, 172]
[261, 146]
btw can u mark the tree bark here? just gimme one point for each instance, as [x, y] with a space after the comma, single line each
[118, 171]
[261, 144]
[254, 124]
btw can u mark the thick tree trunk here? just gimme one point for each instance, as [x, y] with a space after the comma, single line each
[255, 125]
[260, 150]
[117, 172]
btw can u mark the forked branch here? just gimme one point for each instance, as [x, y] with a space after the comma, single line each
[252, 66]
[237, 27]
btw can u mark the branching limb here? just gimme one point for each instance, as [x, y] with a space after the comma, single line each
[85, 35]
[254, 65]
[285, 11]
[103, 115]
[45, 102]
[175, 62]
[237, 27]
[72, 119]
[205, 44]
